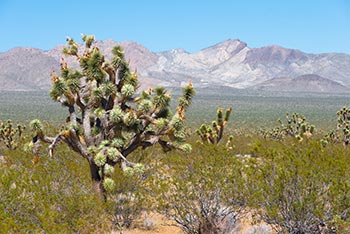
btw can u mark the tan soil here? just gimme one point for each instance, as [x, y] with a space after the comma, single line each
[165, 226]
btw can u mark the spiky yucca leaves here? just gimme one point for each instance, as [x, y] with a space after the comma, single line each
[36, 126]
[108, 119]
[295, 126]
[214, 133]
[88, 39]
[342, 132]
[11, 135]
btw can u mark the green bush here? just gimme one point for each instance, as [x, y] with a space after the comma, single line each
[130, 198]
[53, 197]
[303, 187]
[204, 191]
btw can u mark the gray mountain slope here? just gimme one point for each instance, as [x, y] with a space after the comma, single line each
[230, 63]
[304, 83]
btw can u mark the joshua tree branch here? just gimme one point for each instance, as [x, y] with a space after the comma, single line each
[87, 126]
[58, 139]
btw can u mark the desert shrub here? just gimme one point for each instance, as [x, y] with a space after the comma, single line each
[54, 197]
[204, 191]
[303, 187]
[131, 197]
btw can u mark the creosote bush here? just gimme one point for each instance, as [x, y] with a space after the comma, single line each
[302, 187]
[130, 198]
[205, 191]
[55, 197]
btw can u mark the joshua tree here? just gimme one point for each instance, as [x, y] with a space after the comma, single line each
[342, 132]
[107, 119]
[11, 135]
[296, 126]
[213, 134]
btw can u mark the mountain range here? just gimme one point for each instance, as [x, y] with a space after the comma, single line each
[230, 63]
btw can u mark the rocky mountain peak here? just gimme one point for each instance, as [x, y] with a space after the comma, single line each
[17, 50]
[140, 57]
[230, 46]
[220, 52]
[274, 54]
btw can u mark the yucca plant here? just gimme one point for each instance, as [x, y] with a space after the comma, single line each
[108, 119]
[342, 131]
[295, 126]
[10, 135]
[212, 134]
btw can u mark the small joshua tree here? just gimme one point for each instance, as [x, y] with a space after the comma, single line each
[295, 126]
[107, 119]
[10, 135]
[214, 133]
[342, 132]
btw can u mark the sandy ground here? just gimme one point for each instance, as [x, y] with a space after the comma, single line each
[158, 224]
[162, 225]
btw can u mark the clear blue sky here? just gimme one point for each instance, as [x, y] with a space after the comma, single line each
[313, 26]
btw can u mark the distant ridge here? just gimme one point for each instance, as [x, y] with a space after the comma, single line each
[304, 83]
[230, 63]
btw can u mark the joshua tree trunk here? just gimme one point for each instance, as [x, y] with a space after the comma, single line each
[96, 179]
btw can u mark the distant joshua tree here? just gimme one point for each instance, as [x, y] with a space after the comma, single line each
[107, 119]
[214, 133]
[296, 126]
[342, 132]
[11, 135]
